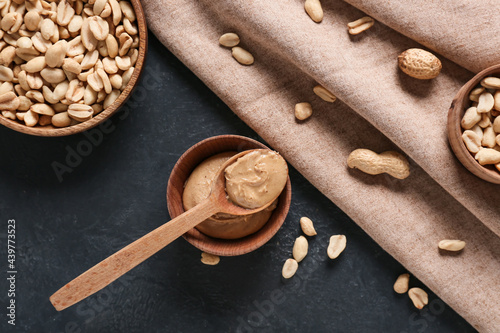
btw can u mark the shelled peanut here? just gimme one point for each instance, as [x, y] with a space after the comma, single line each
[481, 123]
[63, 62]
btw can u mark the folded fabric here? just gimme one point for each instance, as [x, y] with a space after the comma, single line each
[379, 108]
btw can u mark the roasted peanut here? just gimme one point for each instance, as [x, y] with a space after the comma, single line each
[488, 156]
[419, 297]
[307, 226]
[401, 284]
[303, 110]
[389, 162]
[229, 39]
[451, 245]
[360, 25]
[80, 112]
[336, 246]
[9, 101]
[300, 248]
[42, 109]
[61, 119]
[289, 268]
[314, 10]
[242, 56]
[472, 141]
[324, 94]
[209, 259]
[419, 64]
[470, 118]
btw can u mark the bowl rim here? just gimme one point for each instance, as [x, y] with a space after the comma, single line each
[228, 247]
[455, 114]
[47, 131]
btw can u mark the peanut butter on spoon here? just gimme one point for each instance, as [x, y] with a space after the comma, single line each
[256, 178]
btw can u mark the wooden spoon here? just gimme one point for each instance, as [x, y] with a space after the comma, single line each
[132, 255]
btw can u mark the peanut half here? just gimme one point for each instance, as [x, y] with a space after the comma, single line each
[324, 94]
[307, 226]
[300, 248]
[419, 297]
[401, 284]
[314, 10]
[419, 64]
[360, 25]
[242, 56]
[488, 156]
[289, 268]
[389, 162]
[470, 118]
[485, 102]
[451, 245]
[472, 141]
[336, 246]
[303, 111]
[209, 259]
[229, 39]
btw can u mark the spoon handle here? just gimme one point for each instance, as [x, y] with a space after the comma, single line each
[130, 256]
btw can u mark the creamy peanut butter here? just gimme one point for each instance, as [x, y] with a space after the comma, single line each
[256, 178]
[197, 189]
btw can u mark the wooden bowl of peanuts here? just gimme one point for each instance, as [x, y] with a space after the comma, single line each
[474, 125]
[177, 182]
[66, 66]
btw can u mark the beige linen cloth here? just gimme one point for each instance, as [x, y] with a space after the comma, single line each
[378, 108]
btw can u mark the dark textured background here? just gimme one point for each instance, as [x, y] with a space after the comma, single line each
[116, 193]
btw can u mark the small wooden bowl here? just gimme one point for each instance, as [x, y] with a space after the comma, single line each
[110, 110]
[180, 173]
[455, 114]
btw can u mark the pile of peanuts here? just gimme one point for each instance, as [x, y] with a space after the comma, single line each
[481, 123]
[63, 62]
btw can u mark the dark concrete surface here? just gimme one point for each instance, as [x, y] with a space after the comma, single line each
[114, 192]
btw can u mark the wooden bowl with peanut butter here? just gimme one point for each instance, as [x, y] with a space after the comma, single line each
[223, 234]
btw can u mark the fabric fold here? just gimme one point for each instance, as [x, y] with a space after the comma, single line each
[466, 31]
[381, 109]
[362, 72]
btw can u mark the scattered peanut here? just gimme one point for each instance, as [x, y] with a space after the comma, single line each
[229, 39]
[307, 226]
[401, 284]
[360, 25]
[289, 268]
[389, 162]
[56, 55]
[314, 10]
[209, 259]
[324, 94]
[300, 248]
[242, 56]
[451, 245]
[303, 111]
[419, 64]
[419, 297]
[336, 246]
